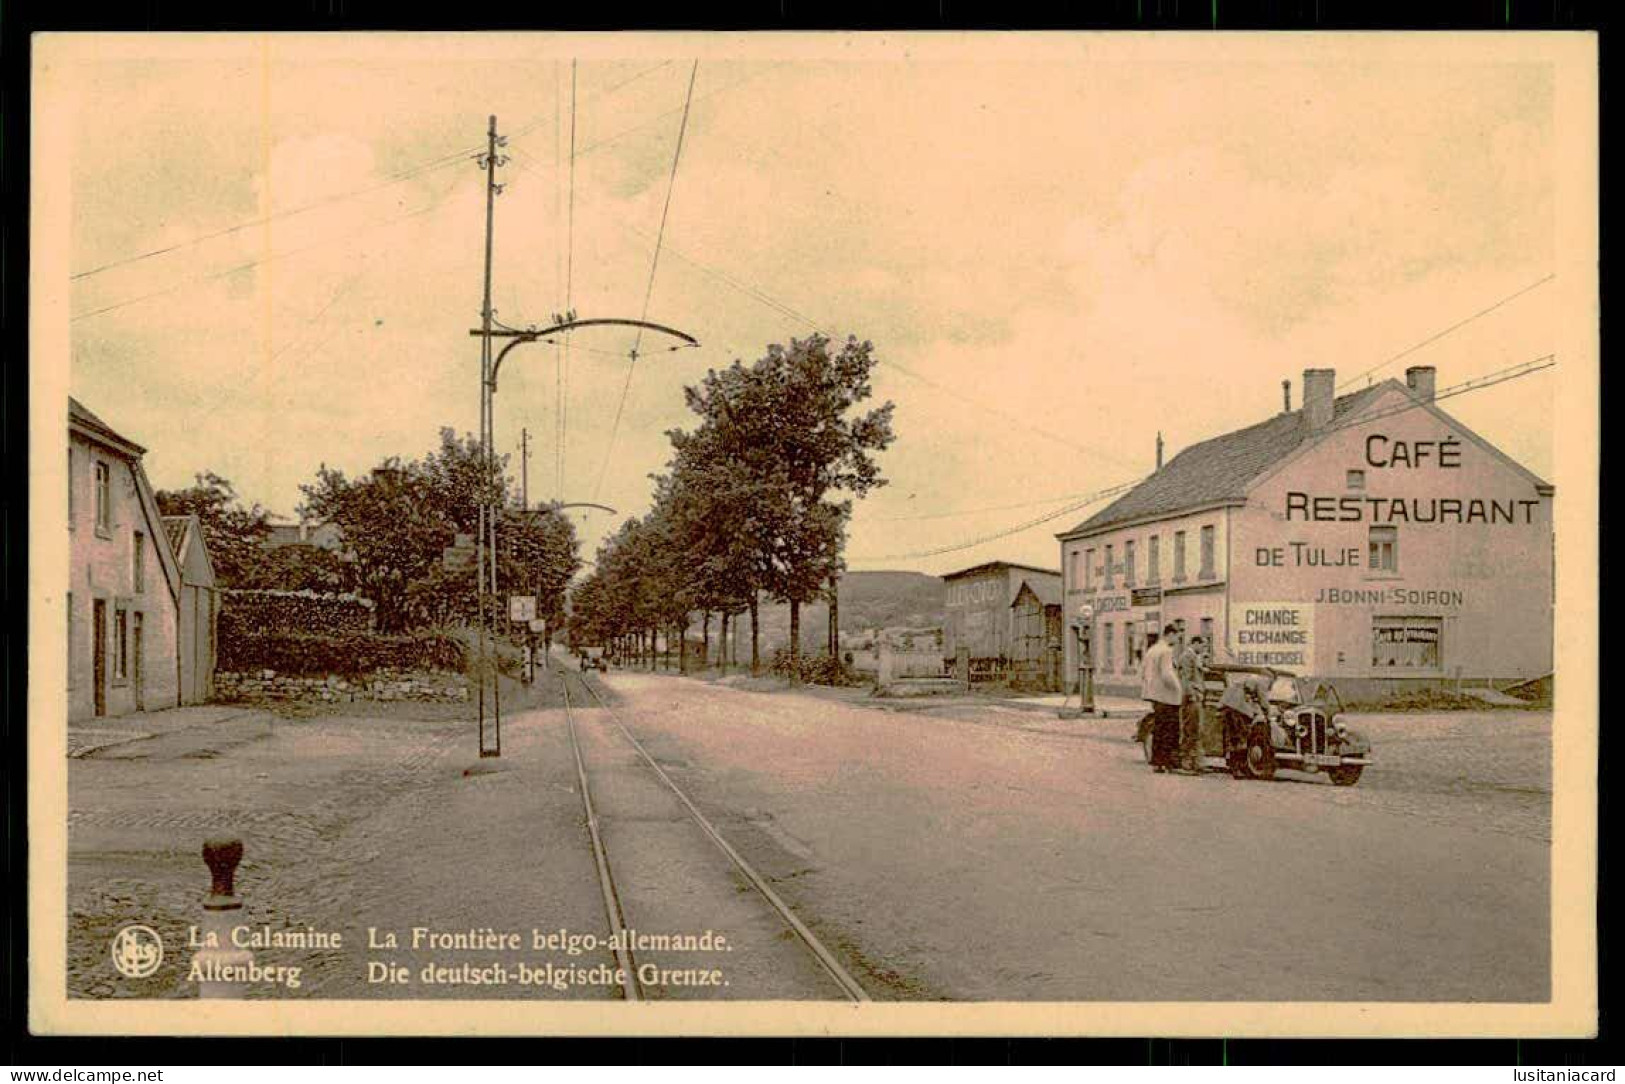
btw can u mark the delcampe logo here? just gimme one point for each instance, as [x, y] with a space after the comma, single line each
[138, 951]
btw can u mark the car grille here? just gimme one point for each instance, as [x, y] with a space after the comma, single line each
[1315, 740]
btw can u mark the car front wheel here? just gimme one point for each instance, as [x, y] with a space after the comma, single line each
[1260, 763]
[1346, 775]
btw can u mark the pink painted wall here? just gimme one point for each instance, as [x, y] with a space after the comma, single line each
[102, 565]
[1490, 580]
[1190, 597]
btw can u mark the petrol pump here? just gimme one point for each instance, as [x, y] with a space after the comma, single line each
[1083, 623]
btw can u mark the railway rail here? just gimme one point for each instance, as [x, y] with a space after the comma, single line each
[615, 912]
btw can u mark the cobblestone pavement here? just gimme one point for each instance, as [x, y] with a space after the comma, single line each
[348, 822]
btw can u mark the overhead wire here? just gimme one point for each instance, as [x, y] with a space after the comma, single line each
[404, 175]
[399, 176]
[1436, 336]
[648, 291]
[1500, 376]
[274, 257]
[762, 297]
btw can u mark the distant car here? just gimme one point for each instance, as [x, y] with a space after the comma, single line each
[1298, 727]
[592, 658]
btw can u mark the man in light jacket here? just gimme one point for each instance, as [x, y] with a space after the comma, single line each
[1159, 683]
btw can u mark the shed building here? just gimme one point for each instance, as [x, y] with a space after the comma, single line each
[978, 613]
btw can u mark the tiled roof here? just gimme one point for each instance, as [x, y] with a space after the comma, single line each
[1218, 469]
[175, 528]
[79, 414]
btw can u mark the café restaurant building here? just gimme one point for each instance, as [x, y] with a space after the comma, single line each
[1368, 538]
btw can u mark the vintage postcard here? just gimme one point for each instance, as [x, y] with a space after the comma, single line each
[1030, 534]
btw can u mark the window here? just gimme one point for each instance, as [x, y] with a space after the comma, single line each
[139, 572]
[1405, 643]
[1110, 572]
[1108, 654]
[1207, 552]
[1134, 648]
[1128, 564]
[1073, 561]
[1089, 568]
[1153, 560]
[1179, 556]
[1356, 479]
[1207, 634]
[104, 496]
[1384, 546]
[121, 644]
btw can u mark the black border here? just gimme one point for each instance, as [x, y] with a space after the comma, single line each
[19, 19]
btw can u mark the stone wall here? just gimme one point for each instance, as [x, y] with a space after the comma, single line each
[387, 684]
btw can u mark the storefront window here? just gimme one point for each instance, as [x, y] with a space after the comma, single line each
[1405, 643]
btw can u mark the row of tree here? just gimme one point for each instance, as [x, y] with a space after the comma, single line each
[754, 502]
[395, 524]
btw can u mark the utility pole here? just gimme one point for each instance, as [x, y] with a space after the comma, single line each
[488, 513]
[490, 501]
[524, 467]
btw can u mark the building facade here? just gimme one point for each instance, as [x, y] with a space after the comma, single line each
[977, 612]
[1368, 538]
[122, 630]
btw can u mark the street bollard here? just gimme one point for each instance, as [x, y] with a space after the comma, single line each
[219, 960]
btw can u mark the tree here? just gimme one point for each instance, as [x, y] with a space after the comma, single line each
[398, 521]
[234, 534]
[783, 437]
[303, 567]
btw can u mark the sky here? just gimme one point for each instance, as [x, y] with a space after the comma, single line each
[1058, 252]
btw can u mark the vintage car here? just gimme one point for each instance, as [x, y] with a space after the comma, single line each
[1293, 726]
[592, 658]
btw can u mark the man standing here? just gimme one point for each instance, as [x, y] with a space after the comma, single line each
[1192, 664]
[1159, 683]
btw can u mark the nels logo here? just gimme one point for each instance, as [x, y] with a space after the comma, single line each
[138, 951]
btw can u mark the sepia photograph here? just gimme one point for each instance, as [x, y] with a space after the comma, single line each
[843, 533]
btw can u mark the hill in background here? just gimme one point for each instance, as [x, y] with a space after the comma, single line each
[869, 600]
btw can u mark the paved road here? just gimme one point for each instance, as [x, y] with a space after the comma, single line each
[985, 853]
[987, 856]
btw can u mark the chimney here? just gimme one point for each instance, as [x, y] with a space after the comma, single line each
[1286, 397]
[1159, 449]
[1420, 379]
[1319, 389]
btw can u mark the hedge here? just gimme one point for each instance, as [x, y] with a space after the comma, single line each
[351, 654]
[254, 612]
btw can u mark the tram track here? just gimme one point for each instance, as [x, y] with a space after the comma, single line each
[615, 911]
